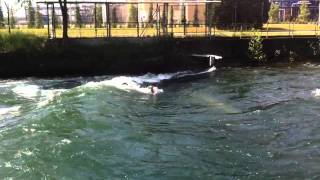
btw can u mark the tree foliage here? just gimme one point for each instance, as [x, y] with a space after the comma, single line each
[211, 14]
[183, 19]
[255, 49]
[196, 21]
[12, 19]
[133, 16]
[236, 13]
[99, 20]
[1, 17]
[274, 13]
[171, 16]
[150, 15]
[304, 13]
[39, 20]
[31, 15]
[78, 17]
[114, 17]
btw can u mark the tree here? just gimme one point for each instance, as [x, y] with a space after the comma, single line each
[304, 13]
[171, 16]
[65, 19]
[210, 14]
[164, 20]
[133, 16]
[12, 19]
[78, 17]
[39, 20]
[274, 13]
[99, 20]
[183, 15]
[114, 17]
[196, 22]
[150, 15]
[236, 13]
[1, 17]
[31, 15]
[55, 21]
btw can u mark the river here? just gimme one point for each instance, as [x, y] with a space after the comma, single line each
[232, 123]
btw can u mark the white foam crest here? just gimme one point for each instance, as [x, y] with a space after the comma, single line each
[136, 83]
[152, 78]
[11, 83]
[10, 110]
[123, 83]
[48, 96]
[27, 91]
[316, 93]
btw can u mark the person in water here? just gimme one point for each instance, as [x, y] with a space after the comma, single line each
[154, 89]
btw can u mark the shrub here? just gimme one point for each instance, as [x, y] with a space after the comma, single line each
[20, 42]
[255, 48]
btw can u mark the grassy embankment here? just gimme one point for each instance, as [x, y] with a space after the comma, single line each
[268, 30]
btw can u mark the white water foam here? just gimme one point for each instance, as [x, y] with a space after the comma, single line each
[125, 83]
[138, 83]
[315, 93]
[48, 96]
[10, 110]
[34, 92]
[27, 91]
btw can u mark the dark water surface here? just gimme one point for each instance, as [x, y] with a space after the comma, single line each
[234, 123]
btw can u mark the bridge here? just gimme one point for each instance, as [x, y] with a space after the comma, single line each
[150, 18]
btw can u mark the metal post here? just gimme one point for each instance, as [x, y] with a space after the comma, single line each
[108, 26]
[206, 19]
[53, 22]
[157, 24]
[137, 21]
[165, 18]
[184, 20]
[171, 22]
[48, 16]
[267, 30]
[159, 20]
[95, 18]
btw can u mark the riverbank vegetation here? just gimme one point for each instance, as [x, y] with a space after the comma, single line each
[20, 42]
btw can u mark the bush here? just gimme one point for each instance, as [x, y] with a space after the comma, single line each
[255, 49]
[20, 42]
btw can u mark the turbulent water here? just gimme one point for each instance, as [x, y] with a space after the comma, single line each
[232, 123]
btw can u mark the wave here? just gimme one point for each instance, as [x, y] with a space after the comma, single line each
[316, 93]
[32, 92]
[10, 110]
[143, 83]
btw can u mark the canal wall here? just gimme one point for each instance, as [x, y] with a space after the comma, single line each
[81, 57]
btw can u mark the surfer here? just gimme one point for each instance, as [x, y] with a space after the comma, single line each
[154, 90]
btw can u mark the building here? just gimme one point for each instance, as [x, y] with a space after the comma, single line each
[289, 9]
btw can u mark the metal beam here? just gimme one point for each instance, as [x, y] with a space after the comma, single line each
[132, 2]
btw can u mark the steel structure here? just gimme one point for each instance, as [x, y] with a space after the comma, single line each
[162, 10]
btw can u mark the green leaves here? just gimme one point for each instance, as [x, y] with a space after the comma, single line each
[304, 13]
[255, 49]
[274, 13]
